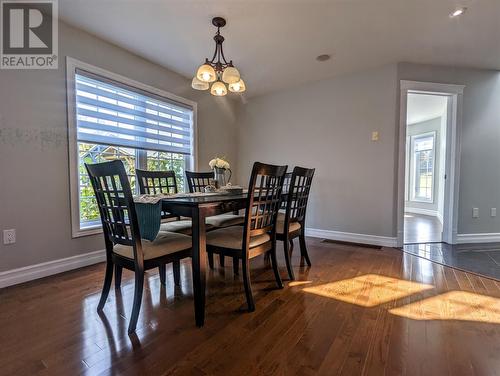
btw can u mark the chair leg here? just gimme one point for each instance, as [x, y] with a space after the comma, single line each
[267, 258]
[107, 285]
[303, 249]
[162, 270]
[291, 247]
[139, 285]
[288, 261]
[221, 260]
[177, 272]
[236, 265]
[118, 276]
[210, 259]
[248, 285]
[275, 267]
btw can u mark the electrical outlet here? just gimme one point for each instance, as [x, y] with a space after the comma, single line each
[475, 212]
[9, 236]
[374, 136]
[493, 212]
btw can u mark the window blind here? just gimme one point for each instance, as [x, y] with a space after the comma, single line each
[111, 113]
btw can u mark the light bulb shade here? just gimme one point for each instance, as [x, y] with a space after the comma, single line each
[230, 75]
[218, 89]
[206, 73]
[199, 85]
[238, 87]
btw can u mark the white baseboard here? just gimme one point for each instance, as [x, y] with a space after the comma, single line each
[429, 212]
[29, 273]
[383, 241]
[493, 237]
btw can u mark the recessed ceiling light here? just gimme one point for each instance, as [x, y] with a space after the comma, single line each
[323, 57]
[457, 12]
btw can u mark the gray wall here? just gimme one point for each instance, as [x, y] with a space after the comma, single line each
[328, 125]
[34, 185]
[480, 158]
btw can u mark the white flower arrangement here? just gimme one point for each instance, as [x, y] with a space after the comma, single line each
[219, 163]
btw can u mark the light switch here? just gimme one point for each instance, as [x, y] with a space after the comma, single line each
[475, 212]
[374, 136]
[493, 212]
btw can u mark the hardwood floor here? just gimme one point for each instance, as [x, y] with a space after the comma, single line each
[355, 311]
[420, 228]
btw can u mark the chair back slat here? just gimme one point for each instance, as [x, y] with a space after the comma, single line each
[286, 188]
[298, 194]
[264, 199]
[114, 199]
[154, 182]
[197, 181]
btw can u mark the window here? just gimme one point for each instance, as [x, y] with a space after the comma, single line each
[423, 150]
[112, 117]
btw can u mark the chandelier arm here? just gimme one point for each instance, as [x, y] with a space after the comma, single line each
[213, 58]
[223, 57]
[215, 55]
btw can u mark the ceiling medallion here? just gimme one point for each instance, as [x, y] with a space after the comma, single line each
[218, 71]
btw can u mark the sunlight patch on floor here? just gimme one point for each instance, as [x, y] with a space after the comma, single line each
[368, 290]
[298, 283]
[453, 305]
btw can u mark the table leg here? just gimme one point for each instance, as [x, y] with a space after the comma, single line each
[199, 262]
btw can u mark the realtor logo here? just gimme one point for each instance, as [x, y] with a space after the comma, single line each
[29, 37]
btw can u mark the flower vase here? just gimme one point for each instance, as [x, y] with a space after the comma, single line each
[220, 177]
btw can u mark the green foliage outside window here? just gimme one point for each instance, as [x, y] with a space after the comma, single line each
[91, 153]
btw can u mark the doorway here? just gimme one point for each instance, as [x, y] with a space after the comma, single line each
[428, 162]
[425, 160]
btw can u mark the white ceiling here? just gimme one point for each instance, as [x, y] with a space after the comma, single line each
[274, 42]
[423, 107]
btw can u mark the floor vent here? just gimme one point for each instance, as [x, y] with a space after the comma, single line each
[351, 244]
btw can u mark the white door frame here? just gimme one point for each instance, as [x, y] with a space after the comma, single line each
[452, 166]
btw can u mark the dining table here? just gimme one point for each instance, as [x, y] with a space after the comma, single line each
[198, 208]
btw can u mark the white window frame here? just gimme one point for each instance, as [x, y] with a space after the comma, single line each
[71, 69]
[413, 167]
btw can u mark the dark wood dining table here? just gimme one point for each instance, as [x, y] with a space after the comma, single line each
[198, 208]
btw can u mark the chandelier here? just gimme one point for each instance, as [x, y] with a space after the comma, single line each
[218, 71]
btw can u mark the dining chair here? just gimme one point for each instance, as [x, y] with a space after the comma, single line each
[258, 234]
[291, 223]
[122, 238]
[155, 182]
[197, 181]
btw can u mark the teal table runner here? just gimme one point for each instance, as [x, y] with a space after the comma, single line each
[149, 218]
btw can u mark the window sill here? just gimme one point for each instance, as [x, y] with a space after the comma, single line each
[87, 231]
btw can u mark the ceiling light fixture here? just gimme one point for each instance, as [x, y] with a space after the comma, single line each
[218, 70]
[457, 12]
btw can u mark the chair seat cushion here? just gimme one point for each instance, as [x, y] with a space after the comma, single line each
[232, 237]
[225, 220]
[280, 224]
[164, 244]
[182, 227]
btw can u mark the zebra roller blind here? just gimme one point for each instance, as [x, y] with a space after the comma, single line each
[111, 113]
